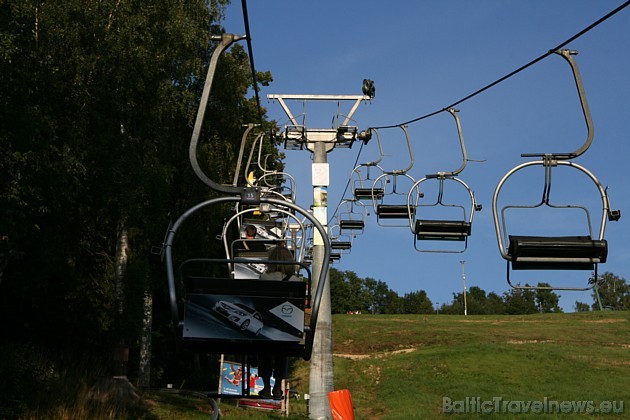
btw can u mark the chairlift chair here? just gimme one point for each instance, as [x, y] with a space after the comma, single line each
[334, 257]
[393, 215]
[575, 252]
[341, 243]
[459, 229]
[425, 229]
[212, 312]
[248, 129]
[388, 214]
[236, 343]
[283, 237]
[362, 187]
[281, 183]
[351, 215]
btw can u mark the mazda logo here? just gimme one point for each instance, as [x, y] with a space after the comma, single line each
[287, 309]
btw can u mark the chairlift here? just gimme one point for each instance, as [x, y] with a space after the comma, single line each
[276, 182]
[271, 183]
[334, 257]
[239, 161]
[575, 252]
[362, 188]
[204, 291]
[341, 245]
[459, 229]
[388, 214]
[240, 316]
[284, 236]
[351, 215]
[339, 242]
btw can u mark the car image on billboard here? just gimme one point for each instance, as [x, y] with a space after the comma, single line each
[239, 316]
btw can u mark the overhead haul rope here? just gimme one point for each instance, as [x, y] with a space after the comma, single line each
[520, 69]
[250, 52]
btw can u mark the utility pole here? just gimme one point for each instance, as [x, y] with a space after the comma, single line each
[319, 142]
[464, 282]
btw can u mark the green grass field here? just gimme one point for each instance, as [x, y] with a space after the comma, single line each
[403, 367]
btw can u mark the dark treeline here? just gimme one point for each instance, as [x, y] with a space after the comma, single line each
[351, 294]
[96, 111]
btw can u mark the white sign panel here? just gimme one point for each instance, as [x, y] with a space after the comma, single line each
[321, 175]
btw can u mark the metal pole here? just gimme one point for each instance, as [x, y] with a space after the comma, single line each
[464, 282]
[321, 375]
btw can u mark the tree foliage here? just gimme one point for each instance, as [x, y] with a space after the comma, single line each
[97, 104]
[351, 293]
[614, 293]
[512, 302]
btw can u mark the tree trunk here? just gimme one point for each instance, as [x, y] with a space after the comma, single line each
[144, 374]
[4, 261]
[121, 350]
[122, 248]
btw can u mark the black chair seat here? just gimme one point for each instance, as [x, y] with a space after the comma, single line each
[559, 252]
[351, 224]
[376, 193]
[392, 211]
[453, 230]
[341, 245]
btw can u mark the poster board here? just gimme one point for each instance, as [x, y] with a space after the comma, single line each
[230, 384]
[244, 310]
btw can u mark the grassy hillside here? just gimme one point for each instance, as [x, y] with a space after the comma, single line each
[402, 367]
[415, 361]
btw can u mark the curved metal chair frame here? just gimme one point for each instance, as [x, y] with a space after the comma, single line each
[350, 219]
[546, 253]
[339, 242]
[241, 152]
[361, 189]
[271, 179]
[442, 230]
[555, 252]
[389, 215]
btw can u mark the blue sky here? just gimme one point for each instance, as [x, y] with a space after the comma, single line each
[424, 56]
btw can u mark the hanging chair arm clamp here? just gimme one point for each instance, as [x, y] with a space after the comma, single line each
[555, 156]
[440, 175]
[550, 161]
